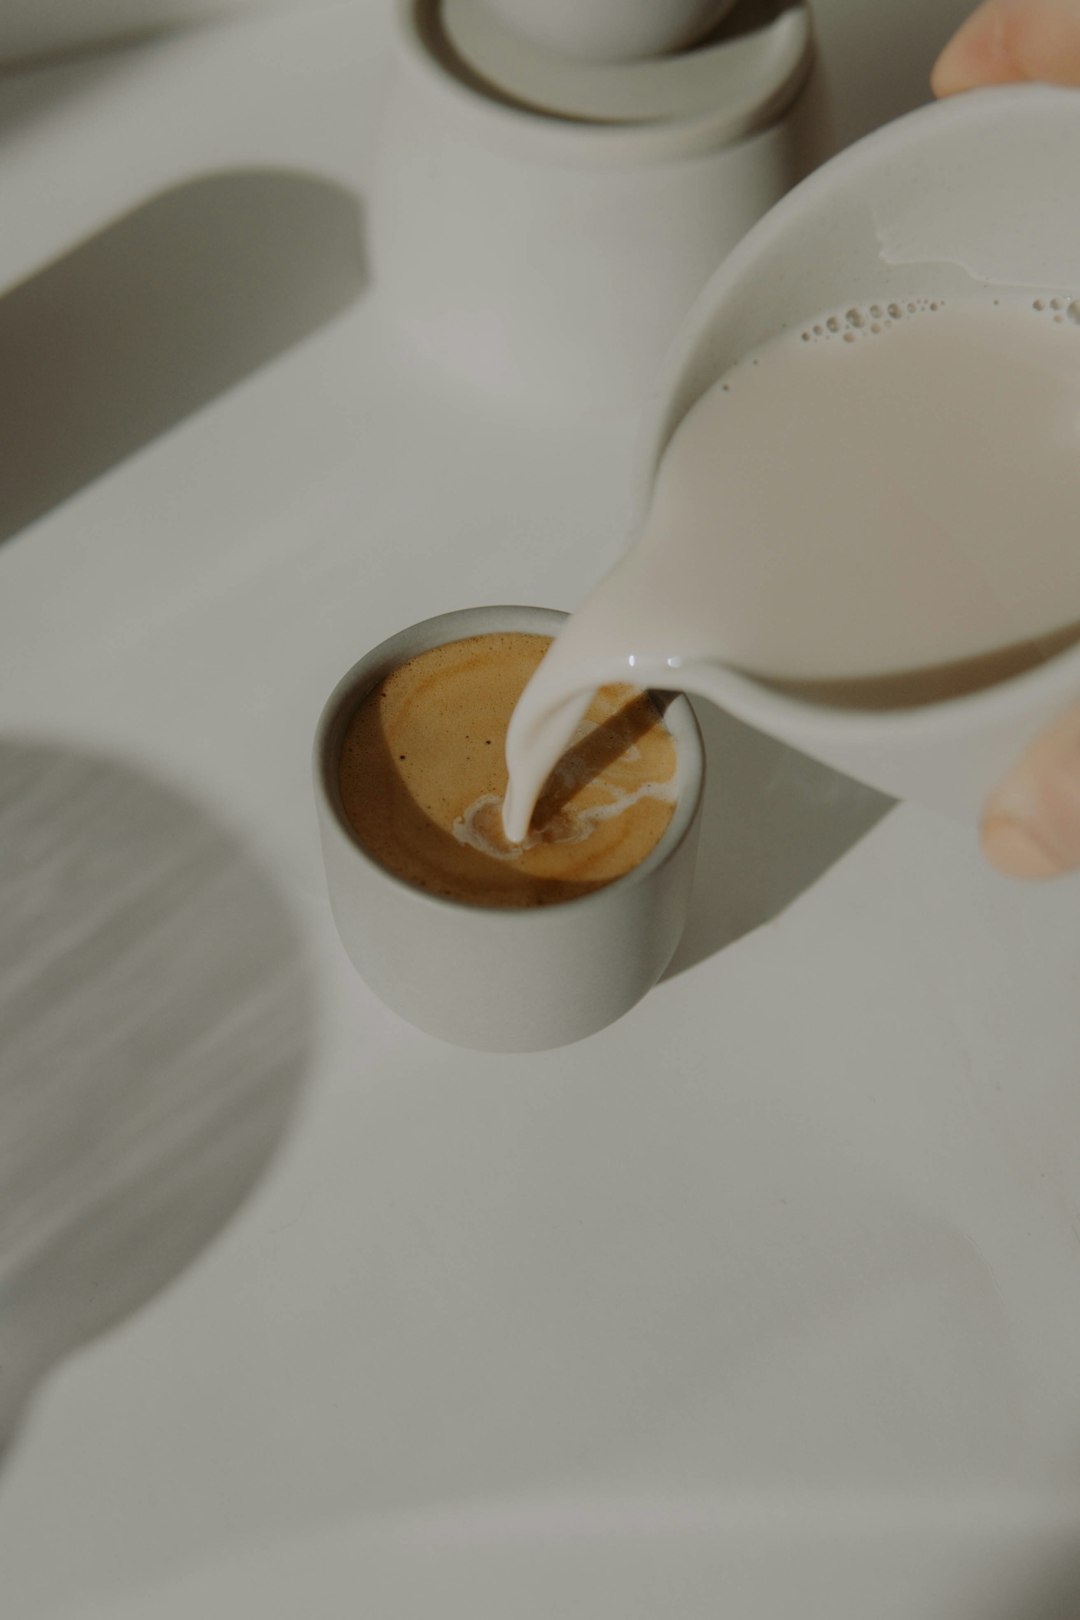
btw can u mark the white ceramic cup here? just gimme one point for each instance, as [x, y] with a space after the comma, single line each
[503, 980]
[973, 192]
[549, 260]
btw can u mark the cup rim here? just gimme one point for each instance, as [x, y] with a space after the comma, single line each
[757, 701]
[592, 142]
[456, 625]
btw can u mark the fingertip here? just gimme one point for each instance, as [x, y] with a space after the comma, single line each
[1031, 827]
[1011, 42]
[947, 76]
[1015, 851]
[978, 54]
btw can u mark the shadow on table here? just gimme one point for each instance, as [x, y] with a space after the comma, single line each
[105, 349]
[1054, 1596]
[156, 1023]
[93, 59]
[773, 822]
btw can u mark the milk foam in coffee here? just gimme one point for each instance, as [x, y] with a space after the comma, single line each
[422, 776]
[878, 509]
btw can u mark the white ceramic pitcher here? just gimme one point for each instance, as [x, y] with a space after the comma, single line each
[978, 190]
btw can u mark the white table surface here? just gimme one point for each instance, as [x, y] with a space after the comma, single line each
[765, 1301]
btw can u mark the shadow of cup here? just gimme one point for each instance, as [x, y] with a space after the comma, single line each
[105, 349]
[1052, 1592]
[773, 822]
[157, 1017]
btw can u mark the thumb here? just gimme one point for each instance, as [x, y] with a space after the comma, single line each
[1031, 826]
[1009, 42]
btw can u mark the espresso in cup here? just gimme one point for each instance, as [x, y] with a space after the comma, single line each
[422, 776]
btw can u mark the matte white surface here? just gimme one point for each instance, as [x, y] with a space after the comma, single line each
[764, 1301]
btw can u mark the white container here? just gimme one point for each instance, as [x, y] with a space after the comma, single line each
[551, 258]
[969, 192]
[611, 30]
[723, 73]
[491, 979]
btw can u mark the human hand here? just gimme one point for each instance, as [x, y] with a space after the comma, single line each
[1012, 42]
[1031, 823]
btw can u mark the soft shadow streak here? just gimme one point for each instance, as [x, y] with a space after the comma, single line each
[107, 348]
[157, 1018]
[773, 822]
[1056, 1596]
[909, 689]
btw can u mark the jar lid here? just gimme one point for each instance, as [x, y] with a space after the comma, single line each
[739, 78]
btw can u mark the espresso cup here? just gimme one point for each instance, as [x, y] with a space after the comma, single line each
[503, 980]
[954, 199]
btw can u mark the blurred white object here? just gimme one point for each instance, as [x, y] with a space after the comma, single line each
[611, 30]
[729, 80]
[551, 254]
